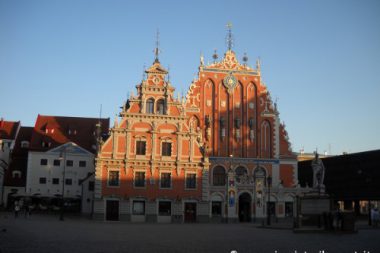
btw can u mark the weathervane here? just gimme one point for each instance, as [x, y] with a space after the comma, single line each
[229, 38]
[157, 50]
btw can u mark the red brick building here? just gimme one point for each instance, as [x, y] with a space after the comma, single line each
[206, 157]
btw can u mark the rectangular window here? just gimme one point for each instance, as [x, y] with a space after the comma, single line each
[138, 207]
[191, 181]
[68, 181]
[69, 163]
[216, 208]
[55, 180]
[82, 163]
[140, 147]
[91, 186]
[164, 208]
[165, 180]
[43, 162]
[166, 149]
[57, 162]
[139, 179]
[113, 178]
[42, 180]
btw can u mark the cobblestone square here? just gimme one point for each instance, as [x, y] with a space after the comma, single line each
[47, 234]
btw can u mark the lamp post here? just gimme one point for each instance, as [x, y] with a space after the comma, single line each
[62, 157]
[269, 182]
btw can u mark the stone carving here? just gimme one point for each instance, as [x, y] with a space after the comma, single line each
[318, 172]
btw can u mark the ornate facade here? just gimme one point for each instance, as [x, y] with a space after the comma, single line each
[203, 158]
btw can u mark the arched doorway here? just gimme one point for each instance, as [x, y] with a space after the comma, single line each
[245, 201]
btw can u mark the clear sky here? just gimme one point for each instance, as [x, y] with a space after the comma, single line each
[321, 59]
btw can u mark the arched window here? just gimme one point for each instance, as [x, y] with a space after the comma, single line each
[219, 176]
[241, 175]
[150, 105]
[266, 149]
[161, 106]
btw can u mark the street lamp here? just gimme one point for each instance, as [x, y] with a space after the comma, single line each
[269, 182]
[62, 157]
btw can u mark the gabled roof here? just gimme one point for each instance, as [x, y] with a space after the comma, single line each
[8, 129]
[19, 159]
[156, 68]
[52, 131]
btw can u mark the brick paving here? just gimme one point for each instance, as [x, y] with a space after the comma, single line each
[47, 234]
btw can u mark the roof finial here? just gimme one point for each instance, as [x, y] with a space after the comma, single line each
[245, 58]
[157, 50]
[215, 56]
[229, 39]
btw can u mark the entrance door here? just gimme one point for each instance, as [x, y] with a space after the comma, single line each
[112, 210]
[245, 203]
[190, 212]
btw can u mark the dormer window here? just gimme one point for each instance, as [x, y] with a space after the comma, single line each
[16, 174]
[25, 144]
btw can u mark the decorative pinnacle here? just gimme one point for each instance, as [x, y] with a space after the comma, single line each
[245, 58]
[215, 55]
[229, 38]
[157, 50]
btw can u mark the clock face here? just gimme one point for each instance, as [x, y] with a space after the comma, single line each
[230, 81]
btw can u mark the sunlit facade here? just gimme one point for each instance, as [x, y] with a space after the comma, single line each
[206, 157]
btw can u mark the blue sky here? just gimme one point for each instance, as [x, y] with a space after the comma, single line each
[321, 59]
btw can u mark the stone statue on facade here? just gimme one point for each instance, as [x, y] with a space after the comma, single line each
[318, 172]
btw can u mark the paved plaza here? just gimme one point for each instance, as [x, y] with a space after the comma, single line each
[46, 233]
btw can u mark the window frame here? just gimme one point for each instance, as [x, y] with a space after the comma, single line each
[195, 180]
[166, 142]
[42, 180]
[82, 164]
[68, 181]
[160, 106]
[69, 163]
[44, 162]
[133, 205]
[164, 213]
[149, 106]
[161, 180]
[137, 147]
[53, 181]
[135, 179]
[219, 178]
[118, 178]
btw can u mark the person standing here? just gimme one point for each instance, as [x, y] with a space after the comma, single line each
[17, 208]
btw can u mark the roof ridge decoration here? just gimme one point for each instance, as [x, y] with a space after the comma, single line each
[230, 64]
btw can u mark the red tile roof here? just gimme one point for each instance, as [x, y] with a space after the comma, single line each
[8, 129]
[52, 131]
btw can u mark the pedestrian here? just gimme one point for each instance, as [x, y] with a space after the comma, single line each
[17, 209]
[376, 217]
[27, 210]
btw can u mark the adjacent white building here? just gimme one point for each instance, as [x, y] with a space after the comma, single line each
[67, 168]
[61, 162]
